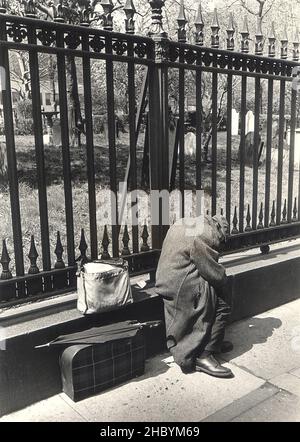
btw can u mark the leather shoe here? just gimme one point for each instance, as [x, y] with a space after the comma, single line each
[210, 366]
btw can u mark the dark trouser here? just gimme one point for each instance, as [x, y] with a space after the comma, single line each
[195, 323]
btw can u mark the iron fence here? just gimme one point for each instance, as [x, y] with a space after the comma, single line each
[253, 223]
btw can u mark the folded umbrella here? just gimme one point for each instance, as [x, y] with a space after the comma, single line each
[103, 334]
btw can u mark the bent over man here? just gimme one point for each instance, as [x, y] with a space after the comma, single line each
[193, 285]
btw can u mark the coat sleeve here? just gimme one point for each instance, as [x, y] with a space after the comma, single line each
[206, 261]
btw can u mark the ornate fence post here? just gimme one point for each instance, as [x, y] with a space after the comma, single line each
[159, 120]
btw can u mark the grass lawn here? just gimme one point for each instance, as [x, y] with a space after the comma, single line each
[55, 191]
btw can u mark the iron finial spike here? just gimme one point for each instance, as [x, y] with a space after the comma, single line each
[3, 6]
[182, 16]
[130, 12]
[296, 45]
[30, 8]
[284, 44]
[199, 25]
[215, 21]
[259, 38]
[296, 37]
[230, 33]
[245, 36]
[199, 18]
[107, 18]
[231, 25]
[245, 29]
[33, 256]
[215, 39]
[182, 21]
[5, 260]
[272, 41]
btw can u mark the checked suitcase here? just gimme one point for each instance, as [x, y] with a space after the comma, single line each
[88, 369]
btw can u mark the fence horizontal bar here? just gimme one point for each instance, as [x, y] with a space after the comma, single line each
[259, 238]
[242, 73]
[242, 56]
[56, 26]
[76, 52]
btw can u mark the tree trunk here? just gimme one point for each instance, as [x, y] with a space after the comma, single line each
[76, 125]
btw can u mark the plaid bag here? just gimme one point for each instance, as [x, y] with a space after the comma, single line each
[87, 370]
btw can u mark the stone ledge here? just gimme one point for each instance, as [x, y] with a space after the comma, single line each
[259, 283]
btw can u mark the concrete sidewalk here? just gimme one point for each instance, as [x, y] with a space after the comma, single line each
[266, 387]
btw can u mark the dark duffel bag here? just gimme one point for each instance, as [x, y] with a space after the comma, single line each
[88, 369]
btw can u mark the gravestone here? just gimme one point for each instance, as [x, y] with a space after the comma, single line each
[249, 122]
[235, 123]
[190, 144]
[56, 133]
[3, 161]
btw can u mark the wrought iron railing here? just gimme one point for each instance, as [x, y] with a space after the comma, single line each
[253, 223]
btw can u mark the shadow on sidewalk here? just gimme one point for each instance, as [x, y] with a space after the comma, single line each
[246, 334]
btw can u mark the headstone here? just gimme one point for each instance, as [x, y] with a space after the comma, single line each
[297, 148]
[249, 122]
[3, 161]
[46, 139]
[190, 144]
[56, 133]
[235, 123]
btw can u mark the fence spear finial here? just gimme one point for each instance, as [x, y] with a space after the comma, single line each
[5, 260]
[59, 12]
[230, 33]
[30, 8]
[107, 17]
[245, 36]
[182, 21]
[199, 25]
[296, 44]
[215, 28]
[85, 11]
[284, 44]
[259, 38]
[130, 12]
[272, 41]
[3, 6]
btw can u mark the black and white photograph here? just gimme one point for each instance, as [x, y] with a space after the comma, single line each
[149, 214]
